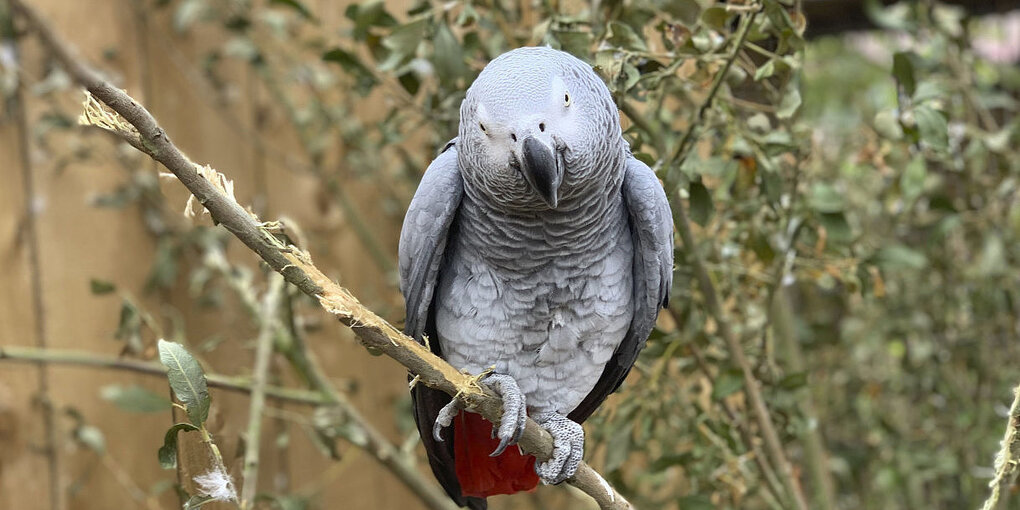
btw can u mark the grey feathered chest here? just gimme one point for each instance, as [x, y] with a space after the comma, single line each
[546, 297]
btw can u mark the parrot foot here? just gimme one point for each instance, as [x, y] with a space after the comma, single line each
[515, 412]
[568, 448]
[445, 418]
[511, 424]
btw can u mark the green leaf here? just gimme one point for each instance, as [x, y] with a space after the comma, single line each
[628, 78]
[100, 287]
[297, 6]
[129, 328]
[135, 399]
[912, 180]
[825, 198]
[992, 260]
[168, 452]
[687, 11]
[903, 71]
[352, 65]
[790, 102]
[574, 42]
[448, 56]
[366, 15]
[837, 227]
[794, 381]
[928, 90]
[887, 125]
[701, 203]
[618, 448]
[403, 43]
[728, 383]
[623, 36]
[715, 18]
[894, 17]
[897, 257]
[186, 379]
[933, 127]
[766, 70]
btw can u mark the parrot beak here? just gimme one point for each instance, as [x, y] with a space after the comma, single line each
[542, 170]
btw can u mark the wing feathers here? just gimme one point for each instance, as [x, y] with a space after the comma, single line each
[651, 227]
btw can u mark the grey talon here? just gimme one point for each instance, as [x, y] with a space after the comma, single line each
[515, 413]
[568, 448]
[503, 443]
[445, 418]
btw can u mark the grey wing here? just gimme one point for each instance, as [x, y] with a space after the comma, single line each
[424, 233]
[651, 229]
[423, 238]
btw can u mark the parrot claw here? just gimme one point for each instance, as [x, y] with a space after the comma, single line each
[568, 448]
[515, 413]
[445, 418]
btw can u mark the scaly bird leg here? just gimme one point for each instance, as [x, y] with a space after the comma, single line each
[511, 424]
[568, 447]
[515, 412]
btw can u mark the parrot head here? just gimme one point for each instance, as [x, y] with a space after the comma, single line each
[537, 127]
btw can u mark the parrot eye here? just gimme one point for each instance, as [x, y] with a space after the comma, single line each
[566, 99]
[482, 126]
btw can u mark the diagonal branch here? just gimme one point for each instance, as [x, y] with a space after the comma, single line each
[298, 269]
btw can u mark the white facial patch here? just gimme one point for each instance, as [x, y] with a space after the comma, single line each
[558, 93]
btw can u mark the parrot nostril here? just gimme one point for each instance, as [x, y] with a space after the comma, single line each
[513, 137]
[541, 126]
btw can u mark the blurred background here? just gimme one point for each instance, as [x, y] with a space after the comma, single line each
[852, 187]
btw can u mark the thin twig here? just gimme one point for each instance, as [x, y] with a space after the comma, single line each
[297, 268]
[772, 486]
[687, 141]
[1008, 458]
[87, 359]
[49, 429]
[260, 371]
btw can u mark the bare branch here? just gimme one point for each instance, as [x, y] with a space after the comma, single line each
[87, 359]
[28, 176]
[297, 267]
[260, 372]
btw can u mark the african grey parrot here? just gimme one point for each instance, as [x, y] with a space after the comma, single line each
[535, 244]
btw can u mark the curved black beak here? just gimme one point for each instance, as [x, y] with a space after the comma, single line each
[542, 170]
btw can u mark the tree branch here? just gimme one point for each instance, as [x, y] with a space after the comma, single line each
[16, 103]
[259, 374]
[87, 359]
[297, 268]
